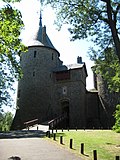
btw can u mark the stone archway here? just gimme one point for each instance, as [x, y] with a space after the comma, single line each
[65, 109]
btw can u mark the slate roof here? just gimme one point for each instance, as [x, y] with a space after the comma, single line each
[40, 37]
[75, 66]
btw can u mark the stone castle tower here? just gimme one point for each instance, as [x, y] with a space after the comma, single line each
[108, 100]
[49, 89]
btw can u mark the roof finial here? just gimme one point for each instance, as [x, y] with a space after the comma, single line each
[40, 23]
[41, 4]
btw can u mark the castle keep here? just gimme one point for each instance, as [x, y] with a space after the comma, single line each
[50, 89]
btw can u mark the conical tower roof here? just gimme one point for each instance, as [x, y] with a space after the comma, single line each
[40, 37]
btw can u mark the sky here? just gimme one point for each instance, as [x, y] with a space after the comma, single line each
[69, 50]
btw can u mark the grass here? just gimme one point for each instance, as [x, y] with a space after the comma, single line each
[106, 142]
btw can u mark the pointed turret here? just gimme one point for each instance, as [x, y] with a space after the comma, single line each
[40, 37]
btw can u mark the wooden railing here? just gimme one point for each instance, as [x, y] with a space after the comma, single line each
[56, 121]
[31, 123]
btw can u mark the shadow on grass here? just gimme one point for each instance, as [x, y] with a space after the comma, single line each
[86, 155]
[22, 134]
[60, 134]
[57, 135]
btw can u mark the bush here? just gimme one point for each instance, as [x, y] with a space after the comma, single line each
[6, 121]
[116, 127]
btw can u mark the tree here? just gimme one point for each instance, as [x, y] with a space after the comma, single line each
[10, 49]
[99, 19]
[107, 65]
[5, 121]
[116, 127]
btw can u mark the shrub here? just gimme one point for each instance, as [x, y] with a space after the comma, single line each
[116, 127]
[5, 121]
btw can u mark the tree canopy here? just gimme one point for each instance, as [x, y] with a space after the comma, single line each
[11, 47]
[5, 121]
[116, 127]
[98, 19]
[107, 65]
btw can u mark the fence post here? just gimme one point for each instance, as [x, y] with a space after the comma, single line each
[52, 131]
[54, 136]
[82, 148]
[37, 128]
[71, 143]
[117, 158]
[48, 134]
[61, 139]
[94, 155]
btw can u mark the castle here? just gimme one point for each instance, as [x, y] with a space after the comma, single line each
[49, 89]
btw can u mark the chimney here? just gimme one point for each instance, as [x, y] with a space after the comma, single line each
[79, 60]
[43, 34]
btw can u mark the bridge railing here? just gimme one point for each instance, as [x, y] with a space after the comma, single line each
[31, 123]
[56, 121]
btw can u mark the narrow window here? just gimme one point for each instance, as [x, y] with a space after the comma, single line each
[52, 56]
[35, 53]
[19, 91]
[33, 73]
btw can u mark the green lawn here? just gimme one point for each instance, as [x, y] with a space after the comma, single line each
[106, 142]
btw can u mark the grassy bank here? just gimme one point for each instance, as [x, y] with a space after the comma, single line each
[106, 142]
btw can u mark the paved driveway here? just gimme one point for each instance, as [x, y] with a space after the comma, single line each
[34, 149]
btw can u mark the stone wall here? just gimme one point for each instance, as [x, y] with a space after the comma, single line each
[108, 99]
[34, 89]
[75, 95]
[43, 96]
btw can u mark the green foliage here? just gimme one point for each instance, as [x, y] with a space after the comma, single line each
[5, 121]
[11, 47]
[107, 65]
[98, 19]
[116, 127]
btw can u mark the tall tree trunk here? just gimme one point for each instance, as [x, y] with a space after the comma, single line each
[112, 24]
